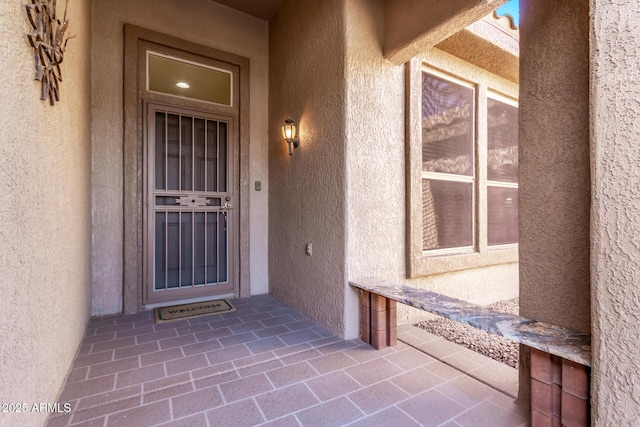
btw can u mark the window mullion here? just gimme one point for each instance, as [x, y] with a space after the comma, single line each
[481, 169]
[446, 177]
[502, 184]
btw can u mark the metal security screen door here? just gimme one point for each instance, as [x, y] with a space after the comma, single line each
[189, 206]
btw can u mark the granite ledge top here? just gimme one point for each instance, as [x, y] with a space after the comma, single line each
[557, 340]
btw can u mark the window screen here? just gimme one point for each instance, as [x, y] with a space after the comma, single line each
[502, 173]
[447, 163]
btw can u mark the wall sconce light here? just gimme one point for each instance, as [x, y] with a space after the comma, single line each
[289, 134]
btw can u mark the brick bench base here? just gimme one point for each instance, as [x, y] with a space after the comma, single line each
[559, 391]
[378, 320]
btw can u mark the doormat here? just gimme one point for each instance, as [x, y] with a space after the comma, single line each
[197, 309]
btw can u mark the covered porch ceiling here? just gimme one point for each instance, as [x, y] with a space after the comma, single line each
[263, 9]
[409, 26]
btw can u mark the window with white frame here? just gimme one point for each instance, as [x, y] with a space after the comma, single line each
[462, 173]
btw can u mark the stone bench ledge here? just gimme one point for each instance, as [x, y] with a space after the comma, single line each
[553, 339]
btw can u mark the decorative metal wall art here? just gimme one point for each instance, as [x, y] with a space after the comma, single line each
[49, 41]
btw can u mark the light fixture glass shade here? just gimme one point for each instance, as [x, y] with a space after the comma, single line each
[289, 130]
[289, 134]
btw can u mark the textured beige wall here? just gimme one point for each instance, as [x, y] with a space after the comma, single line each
[488, 45]
[375, 148]
[477, 285]
[375, 144]
[375, 152]
[615, 249]
[554, 167]
[307, 190]
[203, 22]
[45, 222]
[554, 163]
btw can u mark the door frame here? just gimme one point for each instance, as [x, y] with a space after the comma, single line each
[136, 41]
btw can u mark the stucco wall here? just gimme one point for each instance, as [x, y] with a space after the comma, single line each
[554, 168]
[615, 251]
[487, 44]
[202, 22]
[307, 190]
[554, 163]
[375, 152]
[376, 174]
[45, 222]
[482, 286]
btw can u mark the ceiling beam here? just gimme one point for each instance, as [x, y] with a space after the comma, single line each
[412, 26]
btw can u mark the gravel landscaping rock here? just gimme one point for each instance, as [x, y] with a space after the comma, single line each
[493, 346]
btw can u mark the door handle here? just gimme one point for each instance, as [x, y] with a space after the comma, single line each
[224, 214]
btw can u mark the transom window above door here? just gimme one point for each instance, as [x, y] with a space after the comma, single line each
[185, 79]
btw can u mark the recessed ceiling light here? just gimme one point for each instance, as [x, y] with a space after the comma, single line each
[183, 85]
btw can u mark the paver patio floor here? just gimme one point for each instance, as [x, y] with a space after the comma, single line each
[266, 364]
